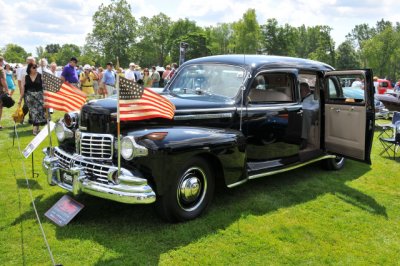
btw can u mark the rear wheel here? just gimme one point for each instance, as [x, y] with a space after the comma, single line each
[336, 163]
[190, 194]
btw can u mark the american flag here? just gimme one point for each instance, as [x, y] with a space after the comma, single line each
[138, 103]
[61, 96]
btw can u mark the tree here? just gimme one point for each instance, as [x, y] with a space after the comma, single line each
[52, 48]
[346, 56]
[197, 42]
[154, 42]
[220, 38]
[381, 52]
[178, 30]
[114, 31]
[15, 53]
[66, 52]
[360, 34]
[278, 40]
[324, 49]
[247, 33]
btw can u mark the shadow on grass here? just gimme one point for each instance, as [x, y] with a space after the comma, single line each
[138, 235]
[33, 184]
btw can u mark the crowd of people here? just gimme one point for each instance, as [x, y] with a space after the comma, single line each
[94, 81]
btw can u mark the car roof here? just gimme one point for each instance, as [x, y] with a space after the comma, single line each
[263, 61]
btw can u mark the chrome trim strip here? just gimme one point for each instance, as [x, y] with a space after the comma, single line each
[238, 183]
[203, 116]
[209, 110]
[291, 167]
[272, 108]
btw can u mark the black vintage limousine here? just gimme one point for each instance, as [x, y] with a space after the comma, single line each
[238, 117]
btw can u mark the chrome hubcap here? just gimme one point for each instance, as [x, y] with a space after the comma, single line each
[191, 189]
[339, 159]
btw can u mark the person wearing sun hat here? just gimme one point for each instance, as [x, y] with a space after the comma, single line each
[86, 78]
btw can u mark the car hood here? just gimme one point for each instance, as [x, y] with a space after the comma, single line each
[183, 103]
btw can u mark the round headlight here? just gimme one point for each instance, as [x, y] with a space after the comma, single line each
[130, 149]
[71, 119]
[60, 132]
[127, 148]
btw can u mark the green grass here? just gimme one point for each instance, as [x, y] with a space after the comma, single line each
[304, 217]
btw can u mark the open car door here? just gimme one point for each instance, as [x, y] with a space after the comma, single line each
[349, 113]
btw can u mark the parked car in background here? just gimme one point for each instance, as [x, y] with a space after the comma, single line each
[391, 100]
[383, 86]
[237, 118]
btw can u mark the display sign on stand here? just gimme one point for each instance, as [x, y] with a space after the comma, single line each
[37, 140]
[64, 210]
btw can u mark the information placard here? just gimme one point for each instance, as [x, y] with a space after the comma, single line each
[64, 210]
[37, 140]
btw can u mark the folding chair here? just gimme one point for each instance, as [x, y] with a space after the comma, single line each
[391, 144]
[388, 127]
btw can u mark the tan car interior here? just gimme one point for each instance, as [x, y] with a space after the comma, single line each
[275, 87]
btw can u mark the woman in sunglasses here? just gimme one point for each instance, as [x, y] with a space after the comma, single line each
[33, 91]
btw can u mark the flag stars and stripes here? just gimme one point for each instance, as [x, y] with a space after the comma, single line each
[139, 103]
[61, 96]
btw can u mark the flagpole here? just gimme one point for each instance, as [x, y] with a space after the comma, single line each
[48, 119]
[118, 121]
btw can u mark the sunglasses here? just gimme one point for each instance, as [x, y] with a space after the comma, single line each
[34, 67]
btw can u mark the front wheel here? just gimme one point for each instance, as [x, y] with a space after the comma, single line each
[336, 163]
[190, 194]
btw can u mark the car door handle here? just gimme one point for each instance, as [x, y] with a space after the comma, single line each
[300, 112]
[337, 109]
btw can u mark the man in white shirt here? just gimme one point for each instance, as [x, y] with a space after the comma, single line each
[130, 73]
[42, 67]
[357, 84]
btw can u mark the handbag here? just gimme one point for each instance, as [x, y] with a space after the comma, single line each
[6, 100]
[18, 115]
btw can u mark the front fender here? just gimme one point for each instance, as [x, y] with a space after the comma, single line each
[225, 149]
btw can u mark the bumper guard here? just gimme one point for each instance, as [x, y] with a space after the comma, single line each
[128, 189]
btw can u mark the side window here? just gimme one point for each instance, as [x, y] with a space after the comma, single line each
[345, 89]
[272, 87]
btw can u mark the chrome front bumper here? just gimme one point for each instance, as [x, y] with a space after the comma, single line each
[75, 174]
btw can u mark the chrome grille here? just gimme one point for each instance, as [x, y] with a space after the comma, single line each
[97, 172]
[96, 146]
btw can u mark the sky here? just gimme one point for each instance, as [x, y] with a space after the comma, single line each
[37, 23]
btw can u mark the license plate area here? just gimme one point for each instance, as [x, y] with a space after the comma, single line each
[66, 177]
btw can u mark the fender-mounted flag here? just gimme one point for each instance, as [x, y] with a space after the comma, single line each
[61, 96]
[139, 103]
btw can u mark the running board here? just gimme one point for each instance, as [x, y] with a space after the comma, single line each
[292, 167]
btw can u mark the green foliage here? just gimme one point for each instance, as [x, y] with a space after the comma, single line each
[66, 52]
[346, 56]
[14, 53]
[53, 48]
[114, 31]
[154, 34]
[247, 33]
[178, 30]
[220, 38]
[378, 47]
[278, 40]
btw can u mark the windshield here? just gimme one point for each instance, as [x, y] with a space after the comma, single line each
[208, 79]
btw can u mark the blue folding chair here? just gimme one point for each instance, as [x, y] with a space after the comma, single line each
[391, 144]
[388, 128]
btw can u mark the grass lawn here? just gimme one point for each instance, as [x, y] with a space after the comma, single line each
[308, 216]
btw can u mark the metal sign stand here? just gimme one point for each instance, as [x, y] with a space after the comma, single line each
[34, 175]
